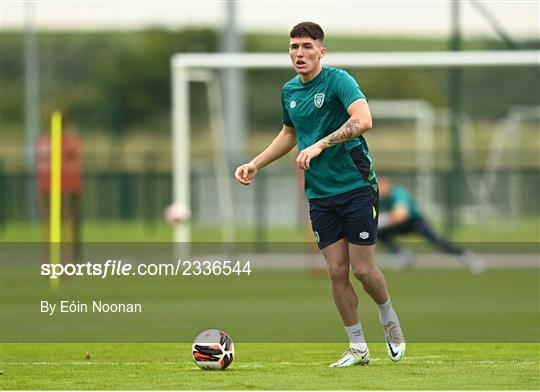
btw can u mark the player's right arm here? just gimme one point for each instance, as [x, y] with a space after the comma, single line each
[281, 145]
[396, 216]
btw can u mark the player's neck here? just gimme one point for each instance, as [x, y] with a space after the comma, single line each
[312, 75]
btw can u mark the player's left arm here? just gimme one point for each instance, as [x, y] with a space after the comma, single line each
[358, 123]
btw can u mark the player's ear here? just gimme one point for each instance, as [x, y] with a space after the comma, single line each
[323, 52]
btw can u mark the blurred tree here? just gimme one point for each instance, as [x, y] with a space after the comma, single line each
[119, 81]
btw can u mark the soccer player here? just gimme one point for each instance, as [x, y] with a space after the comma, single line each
[400, 215]
[325, 113]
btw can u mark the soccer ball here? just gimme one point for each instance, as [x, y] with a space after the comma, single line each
[177, 213]
[213, 350]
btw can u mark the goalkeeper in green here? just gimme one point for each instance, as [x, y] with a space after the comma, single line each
[399, 215]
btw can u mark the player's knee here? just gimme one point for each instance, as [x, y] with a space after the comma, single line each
[338, 273]
[362, 271]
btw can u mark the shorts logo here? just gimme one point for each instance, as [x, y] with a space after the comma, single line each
[316, 235]
[318, 99]
[364, 235]
[292, 104]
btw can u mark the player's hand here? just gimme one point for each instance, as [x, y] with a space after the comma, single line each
[244, 173]
[307, 154]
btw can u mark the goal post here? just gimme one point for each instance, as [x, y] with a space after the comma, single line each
[424, 117]
[186, 68]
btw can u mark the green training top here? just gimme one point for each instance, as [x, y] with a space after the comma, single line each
[316, 109]
[399, 196]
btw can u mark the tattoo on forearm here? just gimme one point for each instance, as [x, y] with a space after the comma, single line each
[342, 134]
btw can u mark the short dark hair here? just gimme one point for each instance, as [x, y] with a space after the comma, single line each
[307, 29]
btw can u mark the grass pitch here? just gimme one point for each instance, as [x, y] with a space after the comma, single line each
[268, 366]
[281, 306]
[523, 229]
[434, 304]
[450, 306]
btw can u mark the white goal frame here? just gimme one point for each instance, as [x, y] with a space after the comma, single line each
[186, 68]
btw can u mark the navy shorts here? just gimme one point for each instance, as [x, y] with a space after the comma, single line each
[352, 215]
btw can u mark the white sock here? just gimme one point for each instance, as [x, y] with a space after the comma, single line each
[356, 337]
[387, 313]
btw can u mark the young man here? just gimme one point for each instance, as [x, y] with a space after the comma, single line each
[400, 215]
[325, 114]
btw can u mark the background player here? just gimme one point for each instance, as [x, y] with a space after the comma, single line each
[400, 215]
[325, 114]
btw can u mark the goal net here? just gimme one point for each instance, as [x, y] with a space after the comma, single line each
[437, 116]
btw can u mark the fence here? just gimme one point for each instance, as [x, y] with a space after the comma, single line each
[273, 199]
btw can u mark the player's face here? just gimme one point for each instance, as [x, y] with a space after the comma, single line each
[306, 54]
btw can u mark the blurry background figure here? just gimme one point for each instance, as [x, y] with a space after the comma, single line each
[71, 188]
[400, 215]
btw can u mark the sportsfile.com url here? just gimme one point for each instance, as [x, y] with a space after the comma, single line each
[120, 268]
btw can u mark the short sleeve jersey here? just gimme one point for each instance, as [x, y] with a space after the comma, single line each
[316, 109]
[399, 196]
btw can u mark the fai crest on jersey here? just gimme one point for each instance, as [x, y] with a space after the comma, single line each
[318, 99]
